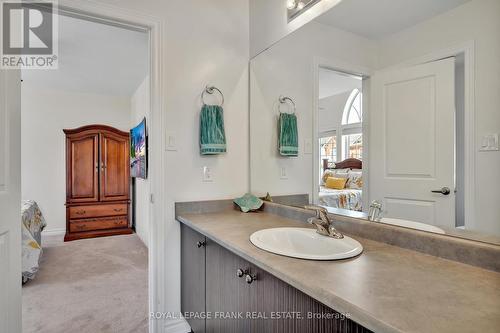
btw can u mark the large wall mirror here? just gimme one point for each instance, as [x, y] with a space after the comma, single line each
[387, 111]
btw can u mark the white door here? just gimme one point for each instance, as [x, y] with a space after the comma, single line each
[10, 201]
[412, 142]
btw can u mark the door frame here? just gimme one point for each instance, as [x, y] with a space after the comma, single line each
[468, 50]
[349, 69]
[155, 27]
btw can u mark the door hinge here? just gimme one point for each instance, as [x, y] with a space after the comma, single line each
[151, 198]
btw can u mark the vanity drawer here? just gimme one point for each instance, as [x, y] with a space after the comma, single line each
[97, 211]
[98, 224]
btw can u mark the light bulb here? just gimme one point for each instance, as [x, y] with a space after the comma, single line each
[300, 5]
[291, 4]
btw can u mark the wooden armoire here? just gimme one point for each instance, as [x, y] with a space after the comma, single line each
[97, 182]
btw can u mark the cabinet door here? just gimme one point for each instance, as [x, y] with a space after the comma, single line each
[115, 168]
[193, 277]
[284, 309]
[82, 167]
[228, 296]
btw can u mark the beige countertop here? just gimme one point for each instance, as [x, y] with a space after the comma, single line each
[385, 289]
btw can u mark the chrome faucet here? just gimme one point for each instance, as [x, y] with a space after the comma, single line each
[375, 211]
[322, 222]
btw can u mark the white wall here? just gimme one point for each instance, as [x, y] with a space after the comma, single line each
[286, 69]
[269, 21]
[478, 21]
[330, 112]
[140, 108]
[44, 115]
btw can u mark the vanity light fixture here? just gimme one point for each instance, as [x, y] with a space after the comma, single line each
[297, 7]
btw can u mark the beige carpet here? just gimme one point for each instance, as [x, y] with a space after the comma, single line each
[94, 285]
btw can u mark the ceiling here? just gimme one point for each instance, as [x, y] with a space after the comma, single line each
[333, 83]
[95, 58]
[375, 19]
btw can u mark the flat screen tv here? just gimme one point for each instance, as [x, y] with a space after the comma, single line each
[138, 151]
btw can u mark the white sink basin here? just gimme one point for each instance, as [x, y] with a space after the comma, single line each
[305, 243]
[412, 224]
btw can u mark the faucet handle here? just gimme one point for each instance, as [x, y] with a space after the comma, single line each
[321, 212]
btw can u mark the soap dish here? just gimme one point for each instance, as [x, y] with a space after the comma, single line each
[248, 202]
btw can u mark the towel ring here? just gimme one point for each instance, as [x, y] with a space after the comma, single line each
[211, 90]
[284, 100]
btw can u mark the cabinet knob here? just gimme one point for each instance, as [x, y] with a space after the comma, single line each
[241, 272]
[250, 278]
[80, 212]
[201, 243]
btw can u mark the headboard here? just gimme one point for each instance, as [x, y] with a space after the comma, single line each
[352, 163]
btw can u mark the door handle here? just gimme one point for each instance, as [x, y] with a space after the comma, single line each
[444, 191]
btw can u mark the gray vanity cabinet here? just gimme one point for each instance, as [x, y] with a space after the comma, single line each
[293, 310]
[193, 276]
[228, 296]
[254, 302]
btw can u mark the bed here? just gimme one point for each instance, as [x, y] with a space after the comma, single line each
[348, 198]
[32, 224]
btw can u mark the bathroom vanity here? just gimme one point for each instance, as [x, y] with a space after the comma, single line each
[238, 296]
[385, 289]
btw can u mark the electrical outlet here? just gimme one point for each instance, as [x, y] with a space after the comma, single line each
[207, 175]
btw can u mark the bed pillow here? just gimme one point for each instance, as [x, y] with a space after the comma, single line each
[336, 183]
[339, 173]
[355, 181]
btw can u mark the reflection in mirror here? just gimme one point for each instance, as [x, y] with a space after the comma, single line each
[340, 140]
[394, 115]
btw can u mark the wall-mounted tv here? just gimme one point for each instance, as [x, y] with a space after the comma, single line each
[138, 151]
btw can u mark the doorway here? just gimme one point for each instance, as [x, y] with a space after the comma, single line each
[339, 133]
[103, 78]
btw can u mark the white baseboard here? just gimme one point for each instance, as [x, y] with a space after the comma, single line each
[53, 237]
[177, 326]
[54, 232]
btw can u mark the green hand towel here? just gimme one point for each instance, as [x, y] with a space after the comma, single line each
[212, 135]
[288, 135]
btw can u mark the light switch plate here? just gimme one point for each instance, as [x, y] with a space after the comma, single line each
[489, 142]
[207, 175]
[171, 143]
[283, 173]
[308, 146]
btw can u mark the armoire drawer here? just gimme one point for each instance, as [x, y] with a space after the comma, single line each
[97, 211]
[98, 224]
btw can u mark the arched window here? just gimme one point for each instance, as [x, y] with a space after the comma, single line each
[352, 110]
[352, 131]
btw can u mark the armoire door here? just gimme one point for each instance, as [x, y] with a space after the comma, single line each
[82, 154]
[115, 167]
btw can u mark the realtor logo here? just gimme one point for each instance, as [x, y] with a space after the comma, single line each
[29, 35]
